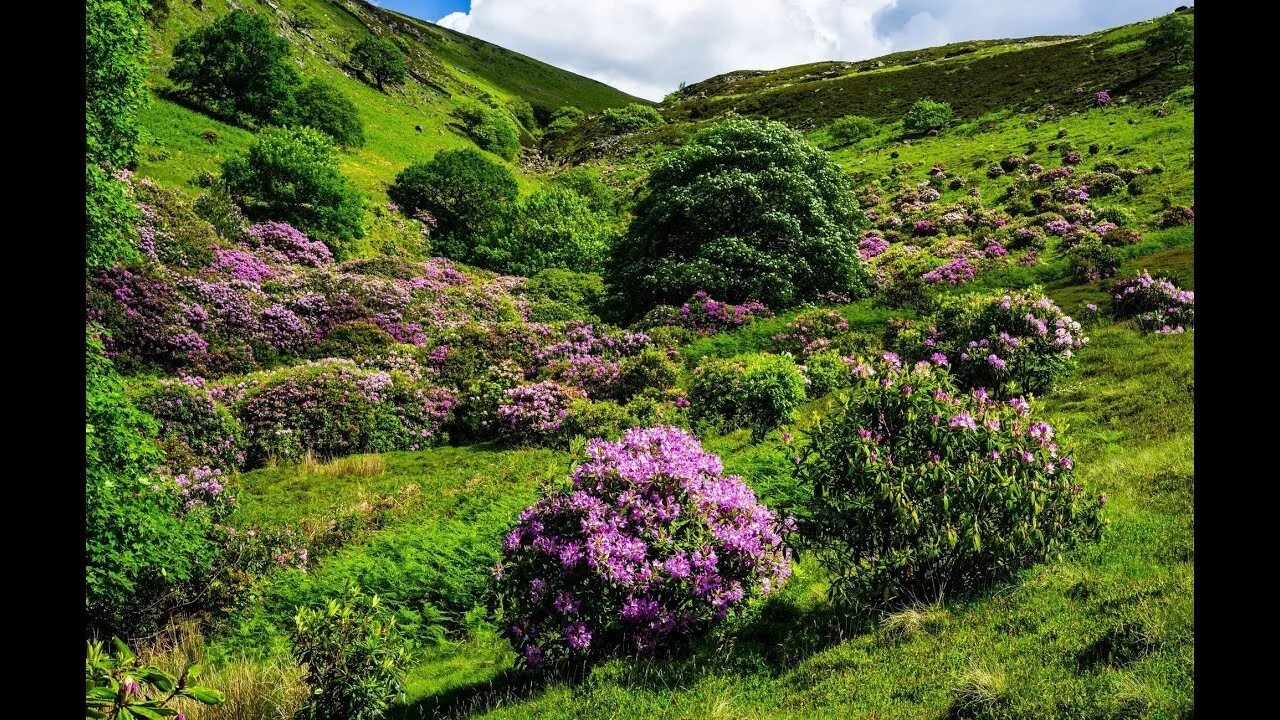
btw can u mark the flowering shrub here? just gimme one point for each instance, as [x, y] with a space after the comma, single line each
[811, 332]
[194, 428]
[826, 371]
[1159, 305]
[1177, 216]
[649, 545]
[958, 271]
[1102, 97]
[1071, 157]
[333, 408]
[285, 243]
[1002, 341]
[924, 227]
[534, 411]
[871, 246]
[705, 316]
[203, 487]
[241, 265]
[920, 491]
[757, 391]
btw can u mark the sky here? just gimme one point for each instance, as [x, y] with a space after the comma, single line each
[648, 47]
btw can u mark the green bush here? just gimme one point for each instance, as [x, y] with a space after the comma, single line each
[292, 175]
[466, 193]
[115, 90]
[492, 129]
[552, 228]
[596, 419]
[321, 106]
[140, 550]
[759, 391]
[354, 657]
[850, 129]
[919, 492]
[747, 210]
[354, 339]
[827, 372]
[1091, 260]
[217, 207]
[562, 120]
[236, 65]
[631, 117]
[195, 430]
[176, 235]
[522, 111]
[926, 115]
[380, 59]
[587, 183]
[556, 295]
[651, 369]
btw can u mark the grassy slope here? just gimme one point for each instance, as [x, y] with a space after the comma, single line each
[447, 69]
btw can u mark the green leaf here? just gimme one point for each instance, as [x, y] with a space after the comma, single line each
[123, 651]
[205, 695]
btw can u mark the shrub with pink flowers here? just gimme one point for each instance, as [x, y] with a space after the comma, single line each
[334, 407]
[1159, 305]
[1177, 216]
[535, 411]
[812, 331]
[871, 246]
[958, 270]
[921, 491]
[204, 489]
[706, 316]
[650, 545]
[241, 265]
[195, 429]
[1007, 342]
[285, 243]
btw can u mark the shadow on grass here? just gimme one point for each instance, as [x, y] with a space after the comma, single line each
[468, 700]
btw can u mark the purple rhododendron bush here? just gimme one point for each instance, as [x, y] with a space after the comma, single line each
[650, 545]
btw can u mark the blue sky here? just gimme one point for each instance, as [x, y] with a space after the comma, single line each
[648, 47]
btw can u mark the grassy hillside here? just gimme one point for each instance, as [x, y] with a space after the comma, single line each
[446, 69]
[1106, 630]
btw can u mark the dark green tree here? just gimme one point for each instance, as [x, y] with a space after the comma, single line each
[1174, 32]
[319, 105]
[926, 115]
[292, 174]
[236, 66]
[465, 191]
[380, 59]
[746, 210]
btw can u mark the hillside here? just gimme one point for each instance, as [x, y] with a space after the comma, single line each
[998, 386]
[446, 69]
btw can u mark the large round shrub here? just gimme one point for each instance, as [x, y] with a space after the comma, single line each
[926, 115]
[379, 58]
[463, 190]
[292, 175]
[747, 210]
[631, 117]
[1004, 341]
[919, 491]
[195, 429]
[319, 105]
[649, 546]
[759, 391]
[850, 129]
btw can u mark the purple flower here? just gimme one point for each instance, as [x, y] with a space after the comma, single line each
[578, 636]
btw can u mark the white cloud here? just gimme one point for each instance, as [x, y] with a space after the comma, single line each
[647, 47]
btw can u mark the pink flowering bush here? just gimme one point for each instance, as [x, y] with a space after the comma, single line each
[535, 411]
[811, 332]
[288, 244]
[649, 545]
[1177, 216]
[759, 391]
[1006, 342]
[241, 265]
[958, 270]
[334, 407]
[195, 429]
[706, 316]
[920, 491]
[204, 489]
[871, 246]
[1159, 305]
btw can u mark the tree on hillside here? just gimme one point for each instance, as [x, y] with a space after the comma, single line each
[322, 106]
[926, 115]
[291, 174]
[1174, 32]
[491, 128]
[464, 190]
[380, 59]
[747, 210]
[236, 66]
